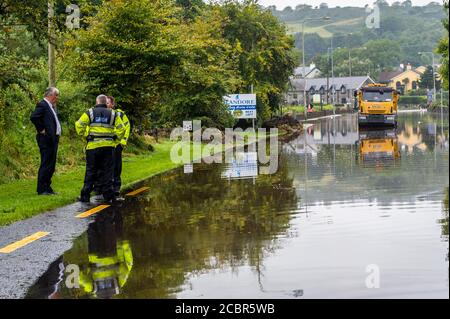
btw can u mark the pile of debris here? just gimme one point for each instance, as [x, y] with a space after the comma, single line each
[286, 124]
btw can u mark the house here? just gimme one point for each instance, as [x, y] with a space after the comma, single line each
[327, 90]
[403, 80]
[311, 72]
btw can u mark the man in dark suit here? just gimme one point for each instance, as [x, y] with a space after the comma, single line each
[48, 129]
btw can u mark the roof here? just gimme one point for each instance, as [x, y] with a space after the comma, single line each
[308, 69]
[386, 77]
[352, 83]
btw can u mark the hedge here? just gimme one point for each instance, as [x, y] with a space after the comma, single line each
[412, 100]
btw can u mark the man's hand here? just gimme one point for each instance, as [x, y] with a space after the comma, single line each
[42, 132]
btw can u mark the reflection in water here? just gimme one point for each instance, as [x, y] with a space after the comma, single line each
[108, 263]
[334, 206]
[48, 285]
[376, 147]
[110, 257]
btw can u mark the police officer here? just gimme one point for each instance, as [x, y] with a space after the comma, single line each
[120, 145]
[101, 127]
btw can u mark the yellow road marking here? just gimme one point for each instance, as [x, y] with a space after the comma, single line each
[23, 242]
[92, 211]
[138, 191]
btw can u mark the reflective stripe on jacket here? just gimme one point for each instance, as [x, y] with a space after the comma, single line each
[101, 127]
[127, 125]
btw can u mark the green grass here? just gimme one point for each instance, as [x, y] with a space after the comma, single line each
[18, 199]
[301, 109]
[325, 30]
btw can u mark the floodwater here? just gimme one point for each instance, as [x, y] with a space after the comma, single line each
[348, 214]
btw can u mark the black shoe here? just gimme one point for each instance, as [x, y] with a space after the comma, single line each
[109, 200]
[83, 199]
[117, 194]
[45, 193]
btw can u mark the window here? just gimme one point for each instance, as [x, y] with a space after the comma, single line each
[377, 96]
[414, 85]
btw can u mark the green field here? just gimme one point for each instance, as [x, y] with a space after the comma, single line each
[325, 30]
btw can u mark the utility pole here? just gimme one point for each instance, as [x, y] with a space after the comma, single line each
[349, 62]
[434, 75]
[332, 76]
[349, 56]
[51, 44]
[304, 67]
[303, 58]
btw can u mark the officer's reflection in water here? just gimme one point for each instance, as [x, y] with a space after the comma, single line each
[110, 261]
[110, 256]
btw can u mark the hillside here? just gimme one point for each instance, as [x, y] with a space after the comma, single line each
[414, 28]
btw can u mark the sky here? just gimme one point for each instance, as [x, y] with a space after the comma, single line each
[281, 4]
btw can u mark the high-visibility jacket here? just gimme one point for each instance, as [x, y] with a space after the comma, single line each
[100, 126]
[126, 123]
[108, 269]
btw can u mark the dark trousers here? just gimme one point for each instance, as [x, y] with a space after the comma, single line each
[100, 170]
[49, 150]
[117, 168]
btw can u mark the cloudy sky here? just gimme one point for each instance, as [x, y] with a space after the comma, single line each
[281, 4]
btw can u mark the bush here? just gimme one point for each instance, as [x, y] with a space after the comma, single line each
[412, 100]
[418, 92]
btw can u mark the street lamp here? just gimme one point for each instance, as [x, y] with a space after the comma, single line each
[349, 56]
[331, 53]
[434, 76]
[303, 54]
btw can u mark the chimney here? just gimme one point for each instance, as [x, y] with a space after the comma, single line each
[312, 66]
[408, 66]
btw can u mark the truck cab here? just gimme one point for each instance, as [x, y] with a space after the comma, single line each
[377, 105]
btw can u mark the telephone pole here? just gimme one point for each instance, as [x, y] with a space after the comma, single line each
[51, 44]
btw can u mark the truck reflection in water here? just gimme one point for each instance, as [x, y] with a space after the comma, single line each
[378, 147]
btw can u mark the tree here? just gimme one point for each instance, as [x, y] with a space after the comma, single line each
[443, 49]
[288, 10]
[191, 8]
[385, 53]
[407, 3]
[161, 69]
[265, 51]
[426, 80]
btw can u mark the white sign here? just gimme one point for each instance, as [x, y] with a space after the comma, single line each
[242, 106]
[245, 165]
[187, 126]
[188, 169]
[316, 98]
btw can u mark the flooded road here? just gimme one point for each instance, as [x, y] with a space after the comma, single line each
[346, 212]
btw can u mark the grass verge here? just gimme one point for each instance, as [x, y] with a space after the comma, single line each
[18, 199]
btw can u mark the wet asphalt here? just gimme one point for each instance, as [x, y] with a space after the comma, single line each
[22, 268]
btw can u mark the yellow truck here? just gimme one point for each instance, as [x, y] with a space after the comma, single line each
[377, 105]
